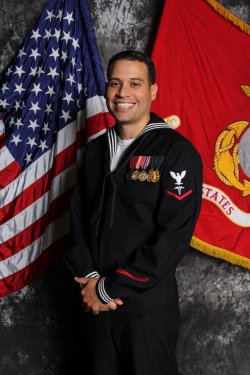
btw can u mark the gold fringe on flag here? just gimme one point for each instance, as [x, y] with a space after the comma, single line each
[229, 16]
[218, 252]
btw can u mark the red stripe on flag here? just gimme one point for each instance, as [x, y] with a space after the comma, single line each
[2, 133]
[97, 123]
[34, 270]
[31, 233]
[62, 161]
[10, 173]
[81, 139]
[2, 140]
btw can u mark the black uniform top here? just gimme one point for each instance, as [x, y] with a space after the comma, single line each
[129, 232]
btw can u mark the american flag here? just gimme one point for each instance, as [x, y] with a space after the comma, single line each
[51, 100]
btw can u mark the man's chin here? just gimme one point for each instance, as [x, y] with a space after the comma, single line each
[124, 122]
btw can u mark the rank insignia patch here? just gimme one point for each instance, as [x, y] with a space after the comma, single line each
[179, 186]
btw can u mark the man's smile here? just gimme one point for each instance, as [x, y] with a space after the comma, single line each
[124, 105]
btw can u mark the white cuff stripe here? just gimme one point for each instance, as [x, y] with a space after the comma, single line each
[102, 291]
[94, 274]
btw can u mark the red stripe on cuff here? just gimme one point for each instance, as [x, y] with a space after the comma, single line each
[179, 197]
[126, 273]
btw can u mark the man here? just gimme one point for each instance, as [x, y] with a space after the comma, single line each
[133, 214]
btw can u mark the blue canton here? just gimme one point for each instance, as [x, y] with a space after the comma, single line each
[45, 86]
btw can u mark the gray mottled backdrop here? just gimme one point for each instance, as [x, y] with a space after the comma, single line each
[40, 326]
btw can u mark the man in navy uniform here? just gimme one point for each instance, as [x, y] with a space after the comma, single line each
[132, 217]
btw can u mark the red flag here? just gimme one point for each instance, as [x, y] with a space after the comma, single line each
[202, 58]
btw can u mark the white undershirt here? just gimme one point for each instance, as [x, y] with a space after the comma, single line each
[122, 145]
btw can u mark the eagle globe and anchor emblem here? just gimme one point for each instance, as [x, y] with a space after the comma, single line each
[232, 149]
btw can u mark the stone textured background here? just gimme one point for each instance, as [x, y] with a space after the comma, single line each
[40, 326]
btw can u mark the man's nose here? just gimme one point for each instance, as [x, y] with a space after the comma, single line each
[123, 90]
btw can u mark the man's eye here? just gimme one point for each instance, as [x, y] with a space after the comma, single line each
[113, 84]
[135, 84]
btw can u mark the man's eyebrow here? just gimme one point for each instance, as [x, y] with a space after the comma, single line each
[137, 79]
[131, 79]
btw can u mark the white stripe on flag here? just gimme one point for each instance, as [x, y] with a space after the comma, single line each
[97, 134]
[65, 138]
[5, 158]
[2, 128]
[29, 254]
[39, 167]
[61, 183]
[95, 105]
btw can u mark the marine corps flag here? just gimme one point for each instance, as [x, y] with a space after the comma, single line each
[202, 56]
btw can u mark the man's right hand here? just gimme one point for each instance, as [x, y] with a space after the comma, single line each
[90, 298]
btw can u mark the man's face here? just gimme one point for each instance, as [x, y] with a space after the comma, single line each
[129, 94]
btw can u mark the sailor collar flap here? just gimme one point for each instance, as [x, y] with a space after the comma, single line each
[113, 137]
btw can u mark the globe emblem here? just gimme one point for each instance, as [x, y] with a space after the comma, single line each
[244, 152]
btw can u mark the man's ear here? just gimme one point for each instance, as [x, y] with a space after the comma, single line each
[154, 90]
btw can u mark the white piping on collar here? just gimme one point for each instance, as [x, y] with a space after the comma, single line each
[113, 138]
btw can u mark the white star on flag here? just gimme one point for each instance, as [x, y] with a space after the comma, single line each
[4, 103]
[19, 88]
[48, 108]
[18, 123]
[48, 34]
[22, 53]
[31, 142]
[53, 72]
[57, 34]
[19, 71]
[16, 139]
[43, 145]
[4, 88]
[50, 91]
[33, 72]
[50, 15]
[35, 34]
[64, 56]
[35, 53]
[75, 43]
[28, 158]
[46, 128]
[55, 53]
[66, 36]
[40, 71]
[69, 17]
[33, 125]
[35, 107]
[36, 88]
[68, 98]
[65, 115]
[71, 79]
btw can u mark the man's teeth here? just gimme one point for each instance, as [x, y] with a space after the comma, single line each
[124, 105]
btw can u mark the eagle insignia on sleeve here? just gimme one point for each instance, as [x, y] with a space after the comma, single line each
[179, 187]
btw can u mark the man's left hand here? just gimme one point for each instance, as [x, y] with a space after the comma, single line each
[90, 298]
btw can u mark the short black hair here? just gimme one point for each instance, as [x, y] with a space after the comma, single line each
[131, 55]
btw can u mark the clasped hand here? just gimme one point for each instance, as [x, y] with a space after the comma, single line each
[90, 299]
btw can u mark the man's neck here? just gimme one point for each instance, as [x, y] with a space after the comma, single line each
[130, 131]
